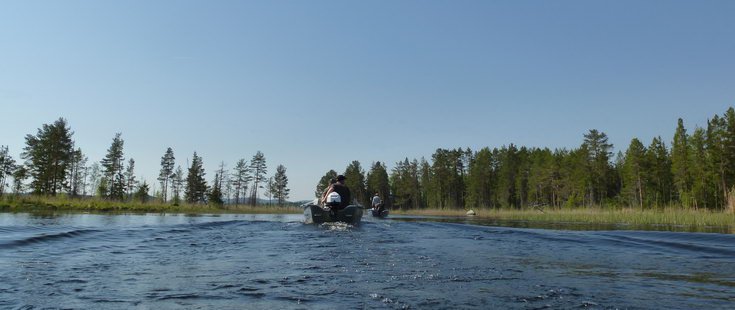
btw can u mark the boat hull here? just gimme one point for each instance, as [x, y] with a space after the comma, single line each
[314, 214]
[381, 214]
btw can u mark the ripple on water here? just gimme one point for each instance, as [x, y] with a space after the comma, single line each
[231, 261]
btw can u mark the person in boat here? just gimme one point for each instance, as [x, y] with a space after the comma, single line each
[377, 203]
[342, 191]
[323, 199]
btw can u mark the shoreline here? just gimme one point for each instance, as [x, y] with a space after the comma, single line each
[661, 216]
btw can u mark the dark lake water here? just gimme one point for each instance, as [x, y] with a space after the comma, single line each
[88, 261]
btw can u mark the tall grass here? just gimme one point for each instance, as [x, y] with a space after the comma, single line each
[65, 203]
[664, 216]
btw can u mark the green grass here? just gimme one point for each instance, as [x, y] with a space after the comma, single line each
[665, 216]
[61, 203]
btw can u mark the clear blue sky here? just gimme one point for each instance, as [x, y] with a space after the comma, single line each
[317, 84]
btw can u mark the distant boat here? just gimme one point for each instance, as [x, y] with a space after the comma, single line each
[314, 214]
[381, 214]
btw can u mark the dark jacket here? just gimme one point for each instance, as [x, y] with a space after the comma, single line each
[344, 194]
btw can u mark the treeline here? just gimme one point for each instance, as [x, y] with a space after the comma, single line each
[54, 165]
[697, 170]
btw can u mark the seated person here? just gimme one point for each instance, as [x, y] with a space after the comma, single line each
[345, 197]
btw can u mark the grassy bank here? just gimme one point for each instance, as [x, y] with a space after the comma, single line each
[665, 216]
[41, 204]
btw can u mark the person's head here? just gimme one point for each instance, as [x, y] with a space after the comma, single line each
[341, 179]
[377, 194]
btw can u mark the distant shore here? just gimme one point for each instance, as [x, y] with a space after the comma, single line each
[65, 204]
[662, 216]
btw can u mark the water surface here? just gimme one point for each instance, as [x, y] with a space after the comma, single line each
[275, 261]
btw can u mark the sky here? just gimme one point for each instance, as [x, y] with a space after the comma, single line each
[315, 85]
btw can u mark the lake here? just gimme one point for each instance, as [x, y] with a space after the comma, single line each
[97, 261]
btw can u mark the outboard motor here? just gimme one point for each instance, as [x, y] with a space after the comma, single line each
[333, 199]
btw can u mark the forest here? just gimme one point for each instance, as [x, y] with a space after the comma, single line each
[695, 171]
[55, 166]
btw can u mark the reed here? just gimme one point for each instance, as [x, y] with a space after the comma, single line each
[663, 216]
[65, 203]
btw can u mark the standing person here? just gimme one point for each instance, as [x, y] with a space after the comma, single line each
[343, 191]
[377, 203]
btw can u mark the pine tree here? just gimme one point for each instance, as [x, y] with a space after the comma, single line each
[355, 181]
[703, 192]
[77, 170]
[425, 182]
[377, 181]
[130, 182]
[241, 179]
[196, 185]
[599, 150]
[404, 184]
[177, 184]
[508, 175]
[321, 187]
[270, 188]
[7, 166]
[113, 169]
[730, 158]
[660, 177]
[717, 159]
[281, 190]
[168, 161]
[48, 156]
[259, 170]
[448, 167]
[635, 172]
[680, 164]
[95, 176]
[19, 176]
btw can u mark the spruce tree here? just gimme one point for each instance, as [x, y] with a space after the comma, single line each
[196, 185]
[215, 193]
[142, 193]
